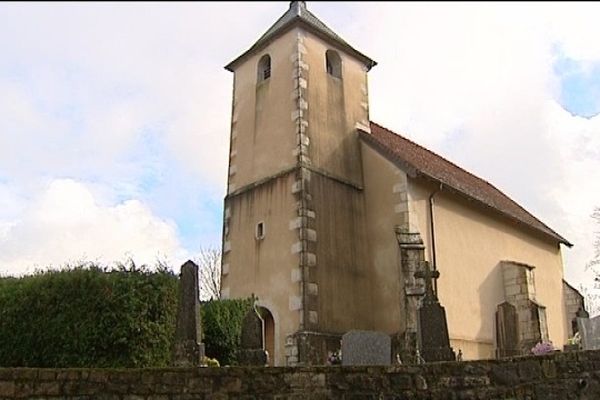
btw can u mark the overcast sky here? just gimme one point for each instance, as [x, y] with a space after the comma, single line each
[114, 118]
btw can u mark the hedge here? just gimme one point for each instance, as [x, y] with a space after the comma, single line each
[222, 327]
[88, 317]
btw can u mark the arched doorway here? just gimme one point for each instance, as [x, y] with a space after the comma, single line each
[269, 333]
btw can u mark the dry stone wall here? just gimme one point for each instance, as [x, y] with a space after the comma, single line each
[559, 376]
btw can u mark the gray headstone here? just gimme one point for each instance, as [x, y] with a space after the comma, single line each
[252, 331]
[366, 348]
[589, 329]
[252, 352]
[188, 349]
[507, 330]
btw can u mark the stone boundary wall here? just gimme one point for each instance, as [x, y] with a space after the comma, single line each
[558, 376]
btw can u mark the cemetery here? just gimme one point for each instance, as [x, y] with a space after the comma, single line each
[368, 370]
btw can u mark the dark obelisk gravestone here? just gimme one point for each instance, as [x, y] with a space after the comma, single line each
[189, 351]
[252, 352]
[434, 341]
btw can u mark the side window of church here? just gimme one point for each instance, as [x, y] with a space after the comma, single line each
[264, 68]
[260, 230]
[333, 63]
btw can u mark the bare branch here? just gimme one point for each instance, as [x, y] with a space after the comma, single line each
[209, 272]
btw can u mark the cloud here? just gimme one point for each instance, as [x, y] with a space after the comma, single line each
[477, 83]
[126, 98]
[66, 224]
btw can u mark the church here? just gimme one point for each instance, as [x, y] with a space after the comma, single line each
[329, 216]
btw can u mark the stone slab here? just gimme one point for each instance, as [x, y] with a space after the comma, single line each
[366, 348]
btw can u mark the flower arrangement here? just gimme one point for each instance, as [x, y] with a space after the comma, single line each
[575, 340]
[543, 348]
[335, 357]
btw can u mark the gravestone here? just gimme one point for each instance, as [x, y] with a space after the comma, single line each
[189, 351]
[434, 341]
[589, 329]
[366, 348]
[507, 330]
[252, 350]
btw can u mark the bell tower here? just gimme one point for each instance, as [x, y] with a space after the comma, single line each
[294, 223]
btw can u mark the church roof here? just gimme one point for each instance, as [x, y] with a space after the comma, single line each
[296, 15]
[418, 161]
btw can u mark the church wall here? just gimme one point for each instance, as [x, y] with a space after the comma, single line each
[385, 200]
[267, 267]
[342, 268]
[262, 123]
[334, 146]
[470, 244]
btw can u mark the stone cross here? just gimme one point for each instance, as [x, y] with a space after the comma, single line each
[428, 275]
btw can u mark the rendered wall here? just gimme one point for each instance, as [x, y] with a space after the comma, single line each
[261, 116]
[264, 267]
[471, 241]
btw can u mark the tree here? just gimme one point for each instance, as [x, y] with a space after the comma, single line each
[595, 262]
[592, 297]
[209, 272]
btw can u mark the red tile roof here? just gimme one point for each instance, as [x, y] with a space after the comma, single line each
[418, 161]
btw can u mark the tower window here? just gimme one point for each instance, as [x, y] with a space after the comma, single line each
[260, 230]
[333, 63]
[264, 68]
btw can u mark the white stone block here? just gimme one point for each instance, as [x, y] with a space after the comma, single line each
[512, 290]
[295, 303]
[296, 275]
[225, 269]
[401, 207]
[226, 246]
[313, 289]
[311, 235]
[305, 174]
[303, 140]
[225, 293]
[232, 170]
[313, 317]
[399, 187]
[296, 187]
[296, 247]
[305, 160]
[311, 259]
[295, 223]
[233, 153]
[363, 127]
[227, 212]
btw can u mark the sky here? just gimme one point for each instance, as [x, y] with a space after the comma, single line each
[115, 117]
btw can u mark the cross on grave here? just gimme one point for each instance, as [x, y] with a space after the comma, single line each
[432, 327]
[428, 275]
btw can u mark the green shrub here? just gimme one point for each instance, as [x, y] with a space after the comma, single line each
[222, 328]
[88, 317]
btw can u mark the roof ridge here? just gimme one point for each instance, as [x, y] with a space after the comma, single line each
[437, 155]
[489, 202]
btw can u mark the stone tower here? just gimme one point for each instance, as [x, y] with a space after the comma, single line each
[294, 219]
